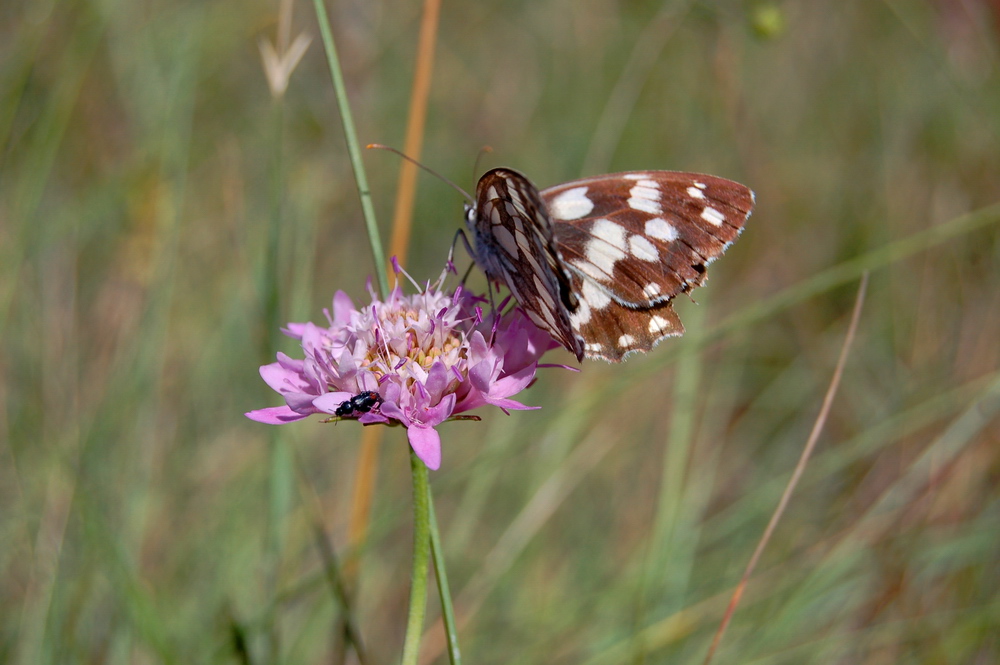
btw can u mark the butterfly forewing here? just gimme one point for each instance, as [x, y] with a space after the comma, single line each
[597, 261]
[646, 236]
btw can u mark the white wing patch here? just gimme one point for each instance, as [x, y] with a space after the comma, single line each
[642, 249]
[658, 324]
[606, 246]
[594, 296]
[712, 216]
[591, 298]
[571, 204]
[661, 229]
[645, 197]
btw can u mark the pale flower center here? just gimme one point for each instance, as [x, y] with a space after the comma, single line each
[422, 347]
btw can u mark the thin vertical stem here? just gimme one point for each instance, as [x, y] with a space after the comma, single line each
[367, 467]
[800, 468]
[440, 574]
[421, 557]
[280, 471]
[353, 150]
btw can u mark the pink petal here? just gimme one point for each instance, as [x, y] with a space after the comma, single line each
[367, 381]
[329, 402]
[436, 415]
[285, 375]
[510, 404]
[300, 402]
[372, 417]
[275, 415]
[483, 374]
[392, 410]
[478, 348]
[313, 337]
[342, 308]
[294, 330]
[437, 380]
[426, 443]
[472, 400]
[513, 383]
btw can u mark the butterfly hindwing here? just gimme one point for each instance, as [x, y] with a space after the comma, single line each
[612, 330]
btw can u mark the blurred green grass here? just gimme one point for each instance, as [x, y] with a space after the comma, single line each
[141, 156]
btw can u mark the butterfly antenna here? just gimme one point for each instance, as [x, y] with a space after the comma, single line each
[479, 156]
[379, 146]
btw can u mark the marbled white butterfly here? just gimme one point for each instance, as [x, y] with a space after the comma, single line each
[596, 262]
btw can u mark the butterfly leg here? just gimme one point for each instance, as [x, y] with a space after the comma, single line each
[489, 283]
[460, 233]
[468, 271]
[493, 308]
[451, 253]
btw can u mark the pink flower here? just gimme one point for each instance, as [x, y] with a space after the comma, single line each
[428, 356]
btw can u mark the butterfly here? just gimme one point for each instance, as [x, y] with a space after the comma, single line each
[597, 262]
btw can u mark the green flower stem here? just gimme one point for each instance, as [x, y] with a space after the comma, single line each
[281, 482]
[353, 151]
[447, 611]
[421, 557]
[425, 531]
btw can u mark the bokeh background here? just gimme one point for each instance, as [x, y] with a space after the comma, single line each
[144, 159]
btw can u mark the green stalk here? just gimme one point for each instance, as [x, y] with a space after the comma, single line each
[447, 611]
[425, 531]
[353, 151]
[280, 470]
[421, 557]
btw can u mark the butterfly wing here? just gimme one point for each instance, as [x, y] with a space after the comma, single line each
[614, 331]
[645, 237]
[514, 246]
[596, 262]
[633, 241]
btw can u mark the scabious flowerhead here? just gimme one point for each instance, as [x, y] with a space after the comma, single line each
[428, 356]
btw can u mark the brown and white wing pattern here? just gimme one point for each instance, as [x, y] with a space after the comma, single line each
[634, 241]
[514, 247]
[597, 261]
